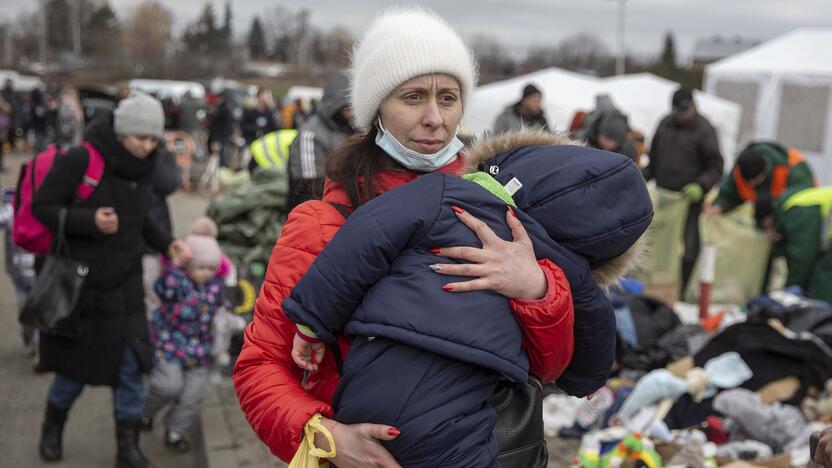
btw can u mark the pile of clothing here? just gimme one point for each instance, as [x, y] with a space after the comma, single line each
[745, 392]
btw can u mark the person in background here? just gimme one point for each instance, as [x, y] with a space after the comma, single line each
[20, 266]
[39, 118]
[685, 158]
[6, 128]
[167, 179]
[762, 168]
[800, 221]
[70, 126]
[612, 136]
[107, 232]
[525, 113]
[220, 128]
[181, 334]
[308, 153]
[259, 120]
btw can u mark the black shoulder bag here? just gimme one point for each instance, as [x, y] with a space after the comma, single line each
[51, 304]
[521, 442]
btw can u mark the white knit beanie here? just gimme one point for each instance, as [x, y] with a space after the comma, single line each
[403, 44]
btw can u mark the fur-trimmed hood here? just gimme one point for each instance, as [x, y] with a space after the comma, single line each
[591, 201]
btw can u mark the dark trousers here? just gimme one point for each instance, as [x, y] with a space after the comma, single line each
[692, 242]
[128, 394]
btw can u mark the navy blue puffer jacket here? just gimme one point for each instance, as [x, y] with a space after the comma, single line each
[582, 208]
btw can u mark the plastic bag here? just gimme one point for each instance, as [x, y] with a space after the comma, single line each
[662, 262]
[742, 254]
[308, 456]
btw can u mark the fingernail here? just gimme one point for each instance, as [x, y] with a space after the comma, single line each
[435, 267]
[393, 432]
[435, 250]
[511, 210]
[448, 287]
[457, 209]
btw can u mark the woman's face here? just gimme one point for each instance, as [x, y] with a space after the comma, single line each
[424, 112]
[140, 146]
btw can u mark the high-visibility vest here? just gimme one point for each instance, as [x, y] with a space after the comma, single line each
[271, 151]
[779, 178]
[817, 196]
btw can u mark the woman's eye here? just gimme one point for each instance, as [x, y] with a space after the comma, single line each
[448, 99]
[412, 97]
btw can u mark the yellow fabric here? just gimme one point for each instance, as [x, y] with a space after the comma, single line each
[661, 264]
[820, 196]
[308, 456]
[742, 253]
[271, 151]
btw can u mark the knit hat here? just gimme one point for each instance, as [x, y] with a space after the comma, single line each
[205, 251]
[529, 90]
[204, 226]
[401, 45]
[682, 99]
[614, 127]
[139, 114]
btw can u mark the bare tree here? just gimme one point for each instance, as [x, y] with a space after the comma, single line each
[583, 52]
[332, 48]
[494, 61]
[147, 36]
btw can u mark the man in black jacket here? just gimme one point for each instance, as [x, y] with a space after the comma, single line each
[685, 157]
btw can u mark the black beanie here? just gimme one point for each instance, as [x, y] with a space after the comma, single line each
[751, 163]
[529, 90]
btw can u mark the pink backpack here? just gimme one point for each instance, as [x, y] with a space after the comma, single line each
[28, 232]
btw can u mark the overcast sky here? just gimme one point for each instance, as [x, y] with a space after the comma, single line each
[518, 24]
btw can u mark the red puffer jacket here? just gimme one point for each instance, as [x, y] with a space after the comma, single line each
[268, 383]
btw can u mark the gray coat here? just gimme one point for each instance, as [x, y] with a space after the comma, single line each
[510, 120]
[316, 138]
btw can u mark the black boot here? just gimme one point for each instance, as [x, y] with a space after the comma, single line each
[51, 435]
[127, 437]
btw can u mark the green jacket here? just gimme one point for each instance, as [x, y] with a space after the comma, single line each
[803, 219]
[799, 176]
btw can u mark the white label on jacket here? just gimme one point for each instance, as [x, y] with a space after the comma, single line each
[513, 186]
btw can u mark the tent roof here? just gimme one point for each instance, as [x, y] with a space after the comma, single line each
[802, 51]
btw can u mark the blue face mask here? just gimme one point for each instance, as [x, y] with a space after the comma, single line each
[414, 160]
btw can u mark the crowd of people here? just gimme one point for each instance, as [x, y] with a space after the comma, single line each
[424, 287]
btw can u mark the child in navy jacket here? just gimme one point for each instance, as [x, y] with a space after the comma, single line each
[424, 360]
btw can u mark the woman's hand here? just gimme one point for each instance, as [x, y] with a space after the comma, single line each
[106, 220]
[509, 268]
[179, 252]
[357, 445]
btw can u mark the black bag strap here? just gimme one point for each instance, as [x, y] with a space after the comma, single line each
[336, 350]
[61, 243]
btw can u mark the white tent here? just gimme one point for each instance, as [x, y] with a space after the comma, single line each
[644, 97]
[785, 88]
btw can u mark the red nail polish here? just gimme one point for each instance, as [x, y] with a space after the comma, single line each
[448, 287]
[393, 432]
[457, 209]
[511, 210]
[435, 250]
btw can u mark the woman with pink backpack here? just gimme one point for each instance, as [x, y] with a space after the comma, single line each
[105, 231]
